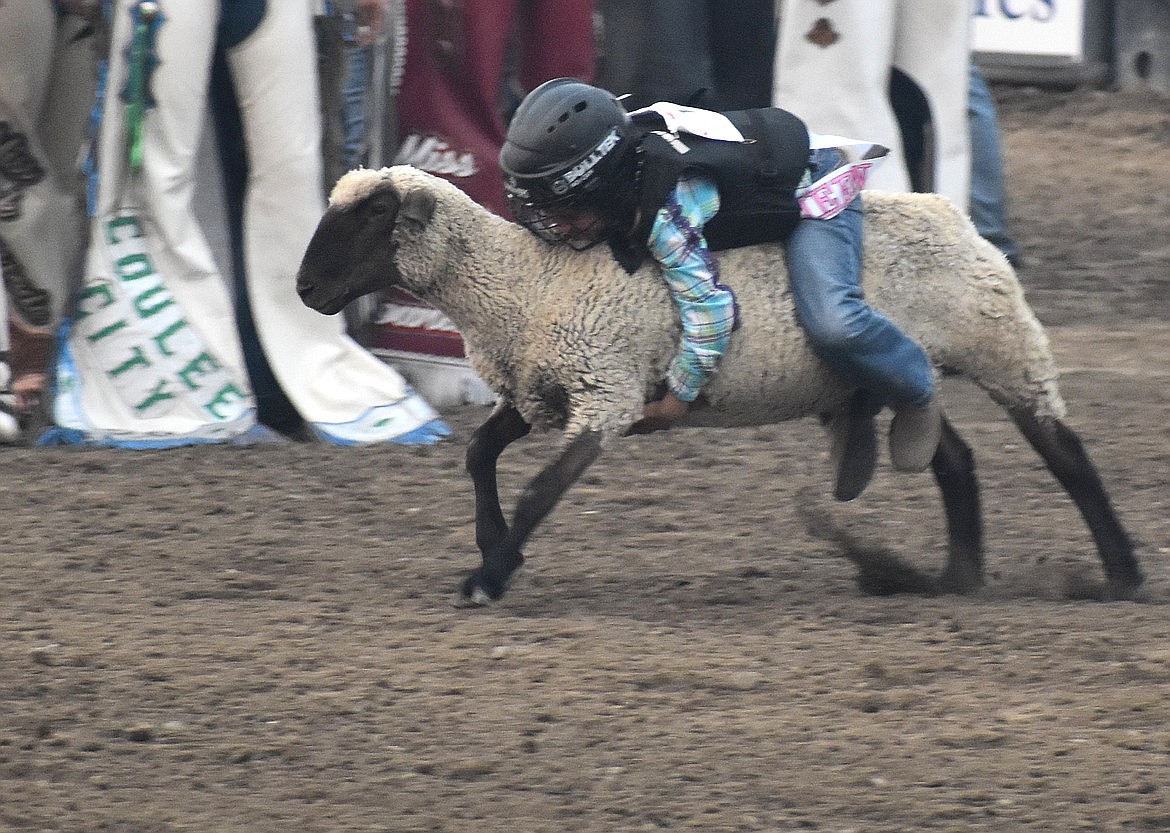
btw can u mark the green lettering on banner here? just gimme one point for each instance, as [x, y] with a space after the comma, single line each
[138, 360]
[228, 394]
[162, 338]
[155, 337]
[146, 311]
[203, 363]
[106, 331]
[102, 291]
[117, 224]
[133, 267]
[157, 395]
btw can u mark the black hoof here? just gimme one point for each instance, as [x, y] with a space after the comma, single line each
[479, 590]
[1121, 589]
[960, 582]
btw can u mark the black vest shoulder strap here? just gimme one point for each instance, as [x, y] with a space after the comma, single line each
[756, 178]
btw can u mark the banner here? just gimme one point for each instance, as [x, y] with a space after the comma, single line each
[132, 369]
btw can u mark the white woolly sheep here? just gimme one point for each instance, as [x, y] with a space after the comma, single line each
[570, 341]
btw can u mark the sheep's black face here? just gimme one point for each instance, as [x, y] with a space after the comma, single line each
[351, 253]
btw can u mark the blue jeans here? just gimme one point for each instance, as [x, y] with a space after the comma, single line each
[988, 202]
[861, 344]
[353, 104]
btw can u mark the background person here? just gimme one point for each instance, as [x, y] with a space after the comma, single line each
[716, 54]
[834, 64]
[254, 62]
[48, 59]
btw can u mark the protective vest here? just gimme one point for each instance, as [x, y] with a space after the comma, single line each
[756, 178]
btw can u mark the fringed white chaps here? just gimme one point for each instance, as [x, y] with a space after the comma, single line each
[343, 392]
[833, 65]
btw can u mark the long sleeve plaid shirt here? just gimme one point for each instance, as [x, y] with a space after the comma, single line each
[706, 306]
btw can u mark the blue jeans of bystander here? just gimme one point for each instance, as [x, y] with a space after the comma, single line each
[988, 199]
[354, 95]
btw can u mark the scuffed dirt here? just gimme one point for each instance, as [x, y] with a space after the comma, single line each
[225, 639]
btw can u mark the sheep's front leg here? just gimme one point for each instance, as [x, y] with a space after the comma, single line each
[503, 558]
[502, 428]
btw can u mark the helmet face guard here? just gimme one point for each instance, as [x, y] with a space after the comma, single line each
[566, 161]
[578, 206]
[565, 222]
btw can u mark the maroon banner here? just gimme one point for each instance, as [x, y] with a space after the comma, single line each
[457, 70]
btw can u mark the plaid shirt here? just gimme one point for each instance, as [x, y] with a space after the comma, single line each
[707, 307]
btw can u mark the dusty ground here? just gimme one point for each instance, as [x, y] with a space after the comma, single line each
[233, 639]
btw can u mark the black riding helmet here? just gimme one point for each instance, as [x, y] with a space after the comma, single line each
[569, 146]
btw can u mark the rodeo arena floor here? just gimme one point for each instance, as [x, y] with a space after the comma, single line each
[240, 639]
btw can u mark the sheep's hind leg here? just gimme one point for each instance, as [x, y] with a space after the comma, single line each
[1067, 459]
[502, 428]
[503, 558]
[954, 471]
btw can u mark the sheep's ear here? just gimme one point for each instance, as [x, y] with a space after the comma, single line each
[418, 205]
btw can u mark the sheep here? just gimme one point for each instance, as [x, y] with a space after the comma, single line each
[569, 341]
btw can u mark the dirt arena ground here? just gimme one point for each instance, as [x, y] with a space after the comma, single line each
[228, 639]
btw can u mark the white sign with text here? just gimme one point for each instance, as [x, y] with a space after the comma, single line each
[1050, 28]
